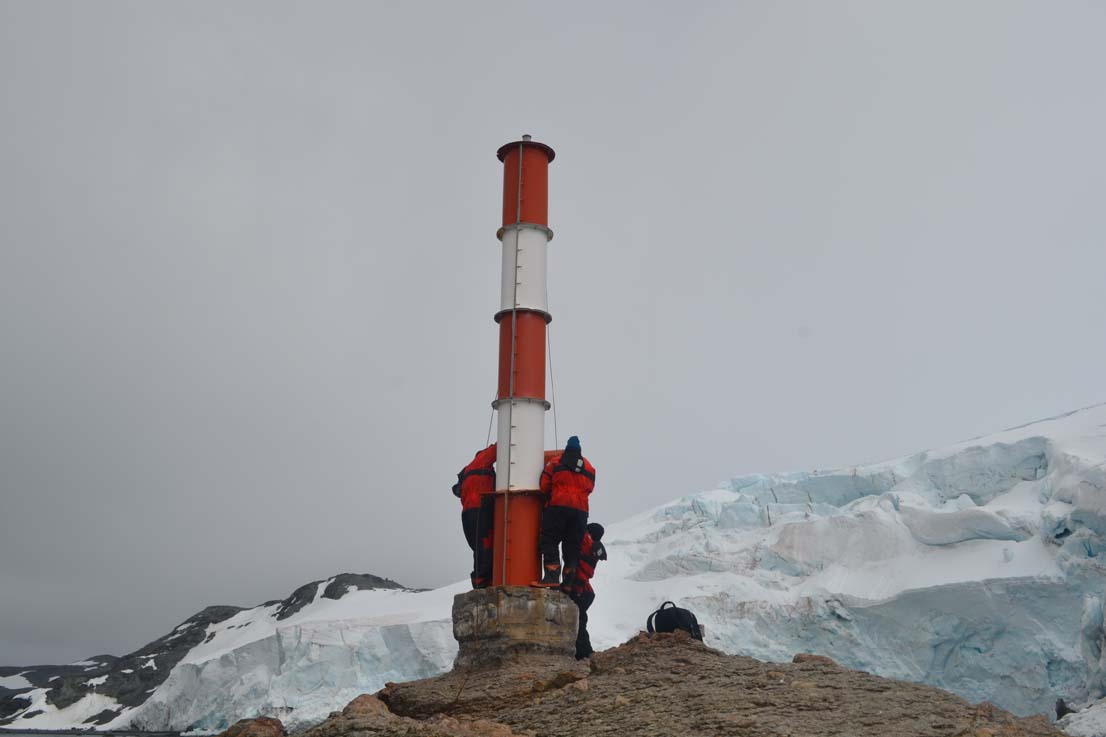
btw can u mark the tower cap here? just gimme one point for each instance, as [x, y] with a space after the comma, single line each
[507, 147]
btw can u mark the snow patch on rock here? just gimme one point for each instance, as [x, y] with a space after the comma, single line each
[74, 715]
[14, 682]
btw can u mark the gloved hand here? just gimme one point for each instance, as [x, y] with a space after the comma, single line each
[457, 490]
[599, 551]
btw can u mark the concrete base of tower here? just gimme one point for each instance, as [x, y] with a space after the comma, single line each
[505, 623]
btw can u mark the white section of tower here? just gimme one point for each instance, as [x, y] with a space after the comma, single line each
[522, 424]
[523, 280]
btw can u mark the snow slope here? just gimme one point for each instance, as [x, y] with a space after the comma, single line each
[974, 567]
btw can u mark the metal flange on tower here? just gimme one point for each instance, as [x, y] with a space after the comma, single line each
[520, 400]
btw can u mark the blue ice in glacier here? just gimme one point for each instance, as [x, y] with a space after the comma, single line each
[974, 567]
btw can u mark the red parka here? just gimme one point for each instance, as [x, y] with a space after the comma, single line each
[568, 487]
[585, 567]
[477, 478]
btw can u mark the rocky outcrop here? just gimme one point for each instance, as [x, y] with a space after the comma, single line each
[259, 727]
[367, 715]
[672, 685]
[335, 588]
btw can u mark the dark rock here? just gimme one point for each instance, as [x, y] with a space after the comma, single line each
[103, 717]
[257, 727]
[810, 658]
[12, 703]
[341, 584]
[300, 598]
[336, 588]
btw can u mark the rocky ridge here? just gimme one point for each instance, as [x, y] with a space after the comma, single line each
[661, 685]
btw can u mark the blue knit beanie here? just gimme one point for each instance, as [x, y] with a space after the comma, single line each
[573, 445]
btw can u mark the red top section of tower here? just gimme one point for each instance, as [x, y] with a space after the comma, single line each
[502, 152]
[528, 203]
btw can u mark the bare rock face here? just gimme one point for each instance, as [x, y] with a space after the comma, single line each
[366, 706]
[367, 715]
[669, 684]
[503, 623]
[259, 727]
[481, 692]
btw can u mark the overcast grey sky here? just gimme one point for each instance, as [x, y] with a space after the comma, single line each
[249, 268]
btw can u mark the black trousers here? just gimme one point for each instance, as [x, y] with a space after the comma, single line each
[562, 527]
[478, 526]
[583, 639]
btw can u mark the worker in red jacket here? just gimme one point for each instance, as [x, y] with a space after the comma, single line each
[566, 482]
[591, 552]
[476, 488]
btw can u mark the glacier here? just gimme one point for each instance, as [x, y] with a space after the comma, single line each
[304, 667]
[975, 568]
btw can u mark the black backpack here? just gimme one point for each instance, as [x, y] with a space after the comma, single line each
[673, 618]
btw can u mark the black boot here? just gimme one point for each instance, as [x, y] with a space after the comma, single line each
[552, 577]
[568, 580]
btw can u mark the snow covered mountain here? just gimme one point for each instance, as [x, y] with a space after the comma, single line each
[974, 567]
[311, 651]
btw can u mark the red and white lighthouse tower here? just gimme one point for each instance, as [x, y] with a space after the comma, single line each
[510, 617]
[520, 401]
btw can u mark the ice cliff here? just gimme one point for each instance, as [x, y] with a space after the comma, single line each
[974, 567]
